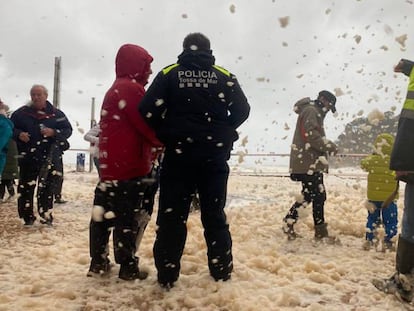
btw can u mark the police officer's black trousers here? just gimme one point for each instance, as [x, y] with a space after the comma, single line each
[179, 180]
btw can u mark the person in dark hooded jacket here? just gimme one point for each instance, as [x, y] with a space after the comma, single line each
[126, 146]
[195, 107]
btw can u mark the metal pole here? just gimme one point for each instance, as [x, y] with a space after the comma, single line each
[93, 123]
[56, 84]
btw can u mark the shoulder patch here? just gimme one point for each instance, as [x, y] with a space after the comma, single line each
[167, 69]
[222, 70]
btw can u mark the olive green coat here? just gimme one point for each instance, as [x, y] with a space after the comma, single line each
[381, 180]
[310, 148]
[11, 170]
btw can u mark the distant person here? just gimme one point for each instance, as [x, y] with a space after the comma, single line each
[148, 199]
[126, 145]
[6, 130]
[309, 160]
[39, 130]
[154, 177]
[402, 162]
[195, 108]
[57, 172]
[92, 136]
[381, 184]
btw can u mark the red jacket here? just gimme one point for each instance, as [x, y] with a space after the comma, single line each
[126, 142]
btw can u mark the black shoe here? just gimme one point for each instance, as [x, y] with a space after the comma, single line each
[223, 278]
[289, 231]
[46, 220]
[398, 284]
[321, 231]
[29, 221]
[60, 201]
[166, 285]
[99, 269]
[130, 272]
[388, 245]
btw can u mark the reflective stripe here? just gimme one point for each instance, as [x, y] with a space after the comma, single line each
[222, 70]
[409, 101]
[411, 82]
[409, 104]
[407, 113]
[169, 68]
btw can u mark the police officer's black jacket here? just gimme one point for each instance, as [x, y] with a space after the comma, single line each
[195, 107]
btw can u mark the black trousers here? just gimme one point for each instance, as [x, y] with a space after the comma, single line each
[31, 174]
[118, 205]
[57, 176]
[6, 184]
[179, 179]
[313, 191]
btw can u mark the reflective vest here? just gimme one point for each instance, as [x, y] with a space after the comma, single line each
[408, 108]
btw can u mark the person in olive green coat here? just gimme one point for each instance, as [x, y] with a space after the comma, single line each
[309, 154]
[6, 130]
[381, 184]
[10, 173]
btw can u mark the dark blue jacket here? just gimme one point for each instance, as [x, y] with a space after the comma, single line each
[28, 119]
[195, 107]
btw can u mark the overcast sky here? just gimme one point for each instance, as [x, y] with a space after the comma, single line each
[280, 50]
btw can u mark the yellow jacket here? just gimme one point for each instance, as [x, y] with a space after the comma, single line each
[381, 180]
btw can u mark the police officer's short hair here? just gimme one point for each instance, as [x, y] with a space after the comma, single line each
[196, 41]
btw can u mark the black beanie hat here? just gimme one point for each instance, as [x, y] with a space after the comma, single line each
[329, 97]
[407, 66]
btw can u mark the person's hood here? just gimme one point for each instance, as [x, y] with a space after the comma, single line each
[300, 104]
[304, 102]
[133, 61]
[383, 144]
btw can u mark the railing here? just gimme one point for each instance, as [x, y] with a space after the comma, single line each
[269, 169]
[280, 168]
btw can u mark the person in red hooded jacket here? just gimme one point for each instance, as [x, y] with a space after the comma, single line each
[126, 152]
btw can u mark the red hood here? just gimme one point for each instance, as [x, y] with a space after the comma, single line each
[133, 61]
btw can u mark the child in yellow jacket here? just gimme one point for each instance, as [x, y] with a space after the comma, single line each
[381, 183]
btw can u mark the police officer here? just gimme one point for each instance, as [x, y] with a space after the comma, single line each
[195, 108]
